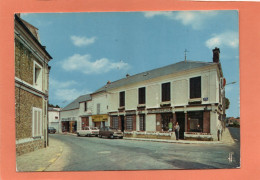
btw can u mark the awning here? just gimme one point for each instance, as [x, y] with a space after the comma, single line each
[99, 118]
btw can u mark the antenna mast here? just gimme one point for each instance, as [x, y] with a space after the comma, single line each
[185, 55]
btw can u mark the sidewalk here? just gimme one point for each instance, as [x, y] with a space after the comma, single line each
[40, 159]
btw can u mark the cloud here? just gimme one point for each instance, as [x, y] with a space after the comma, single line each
[195, 19]
[226, 39]
[83, 63]
[65, 91]
[82, 41]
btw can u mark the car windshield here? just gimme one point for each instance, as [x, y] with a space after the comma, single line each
[94, 128]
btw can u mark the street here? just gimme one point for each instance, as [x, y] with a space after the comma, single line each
[92, 153]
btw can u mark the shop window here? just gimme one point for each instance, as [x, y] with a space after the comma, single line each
[141, 95]
[37, 122]
[115, 122]
[195, 87]
[122, 99]
[129, 122]
[195, 123]
[166, 92]
[166, 119]
[142, 122]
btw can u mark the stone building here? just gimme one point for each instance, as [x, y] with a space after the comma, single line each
[31, 88]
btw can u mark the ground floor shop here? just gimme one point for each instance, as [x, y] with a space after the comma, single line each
[196, 123]
[69, 126]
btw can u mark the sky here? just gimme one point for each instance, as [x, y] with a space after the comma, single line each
[91, 48]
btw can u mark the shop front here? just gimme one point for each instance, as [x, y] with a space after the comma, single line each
[100, 120]
[69, 126]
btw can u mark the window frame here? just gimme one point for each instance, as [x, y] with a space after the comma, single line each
[37, 127]
[122, 99]
[142, 95]
[195, 87]
[166, 92]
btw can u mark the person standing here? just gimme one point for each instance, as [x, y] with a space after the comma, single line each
[177, 130]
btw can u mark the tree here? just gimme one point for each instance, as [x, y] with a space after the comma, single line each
[227, 103]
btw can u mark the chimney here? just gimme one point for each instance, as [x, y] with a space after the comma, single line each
[216, 53]
[127, 75]
[108, 82]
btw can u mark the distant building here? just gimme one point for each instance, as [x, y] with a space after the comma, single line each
[31, 88]
[232, 120]
[69, 115]
[54, 118]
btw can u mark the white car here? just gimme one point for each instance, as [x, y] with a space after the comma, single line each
[88, 131]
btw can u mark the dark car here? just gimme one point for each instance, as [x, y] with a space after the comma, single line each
[110, 133]
[51, 130]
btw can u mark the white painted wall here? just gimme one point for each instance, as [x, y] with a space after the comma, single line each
[102, 99]
[131, 99]
[73, 114]
[53, 122]
[150, 123]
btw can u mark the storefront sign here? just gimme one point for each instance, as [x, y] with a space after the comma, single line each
[99, 118]
[161, 110]
[130, 113]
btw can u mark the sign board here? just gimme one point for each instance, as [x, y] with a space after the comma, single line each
[99, 118]
[161, 110]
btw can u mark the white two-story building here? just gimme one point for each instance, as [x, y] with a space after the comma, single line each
[188, 92]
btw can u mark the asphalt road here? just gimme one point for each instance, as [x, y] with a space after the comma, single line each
[92, 153]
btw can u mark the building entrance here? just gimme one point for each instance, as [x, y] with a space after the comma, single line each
[122, 123]
[180, 117]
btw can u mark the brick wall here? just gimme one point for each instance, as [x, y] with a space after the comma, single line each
[23, 112]
[23, 63]
[206, 122]
[29, 147]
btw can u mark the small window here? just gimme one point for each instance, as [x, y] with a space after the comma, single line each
[85, 106]
[166, 92]
[56, 117]
[195, 87]
[141, 95]
[122, 99]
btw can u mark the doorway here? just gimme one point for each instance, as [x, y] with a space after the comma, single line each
[122, 123]
[180, 117]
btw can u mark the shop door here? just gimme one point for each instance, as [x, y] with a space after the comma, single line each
[180, 117]
[122, 123]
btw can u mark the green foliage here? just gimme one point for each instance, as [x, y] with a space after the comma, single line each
[227, 103]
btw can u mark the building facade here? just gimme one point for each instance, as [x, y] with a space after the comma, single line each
[54, 118]
[31, 88]
[189, 92]
[70, 115]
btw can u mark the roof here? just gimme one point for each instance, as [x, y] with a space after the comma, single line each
[166, 70]
[75, 104]
[53, 109]
[22, 23]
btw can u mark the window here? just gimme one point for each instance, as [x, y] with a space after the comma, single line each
[85, 106]
[129, 122]
[141, 95]
[98, 108]
[195, 87]
[56, 117]
[115, 122]
[36, 122]
[122, 99]
[37, 79]
[142, 122]
[195, 121]
[166, 92]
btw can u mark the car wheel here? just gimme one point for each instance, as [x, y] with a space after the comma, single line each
[111, 136]
[78, 134]
[121, 137]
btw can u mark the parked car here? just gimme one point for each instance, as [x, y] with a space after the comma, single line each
[110, 133]
[88, 131]
[51, 130]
